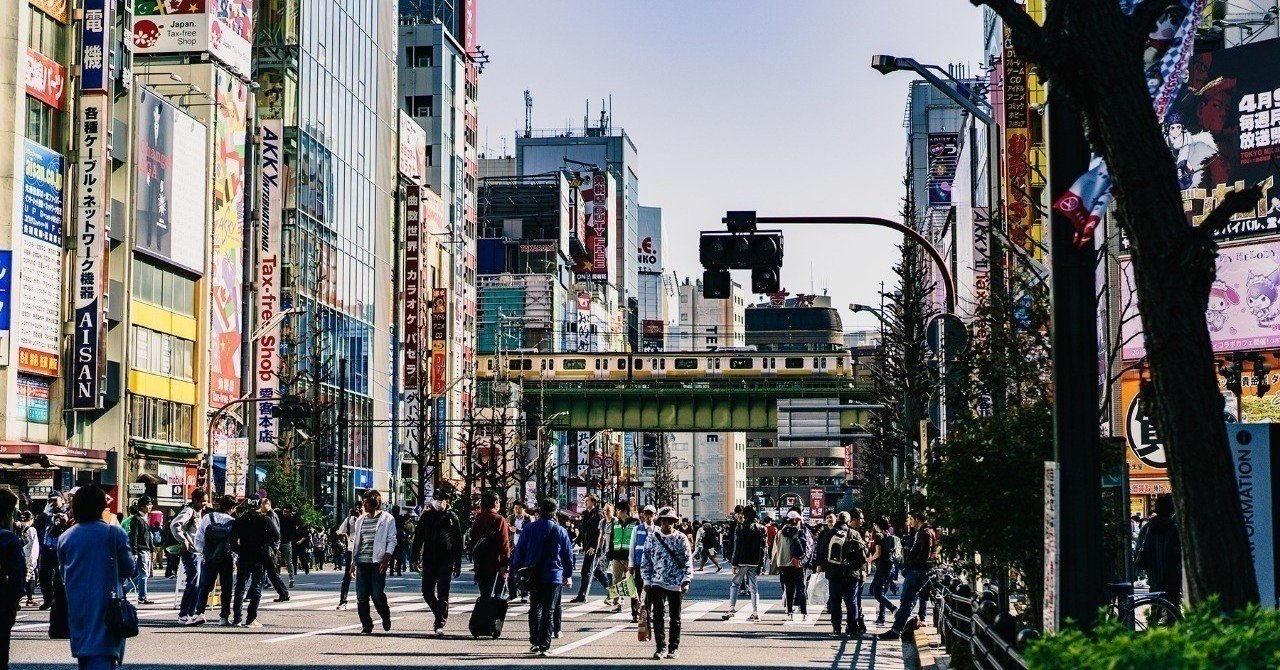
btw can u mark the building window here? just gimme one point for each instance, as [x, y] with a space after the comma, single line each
[42, 123]
[712, 437]
[162, 354]
[159, 420]
[420, 56]
[163, 288]
[420, 105]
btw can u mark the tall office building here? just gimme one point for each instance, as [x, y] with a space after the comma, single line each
[439, 67]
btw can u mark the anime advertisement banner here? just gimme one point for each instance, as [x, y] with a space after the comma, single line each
[944, 155]
[170, 187]
[1224, 132]
[40, 262]
[1018, 211]
[227, 264]
[1244, 301]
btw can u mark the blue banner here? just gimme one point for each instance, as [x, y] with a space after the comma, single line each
[440, 429]
[6, 289]
[95, 49]
[42, 183]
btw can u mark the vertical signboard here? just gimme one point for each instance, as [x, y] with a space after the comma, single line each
[595, 202]
[40, 263]
[95, 50]
[583, 325]
[412, 336]
[88, 360]
[1253, 453]
[267, 367]
[170, 186]
[439, 330]
[944, 155]
[227, 264]
[413, 150]
[1017, 145]
[817, 502]
[1050, 546]
[6, 303]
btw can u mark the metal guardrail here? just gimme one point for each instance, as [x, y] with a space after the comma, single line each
[975, 623]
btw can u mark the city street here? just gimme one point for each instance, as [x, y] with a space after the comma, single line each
[308, 633]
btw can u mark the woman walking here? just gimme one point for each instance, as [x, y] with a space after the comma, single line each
[667, 565]
[372, 545]
[95, 558]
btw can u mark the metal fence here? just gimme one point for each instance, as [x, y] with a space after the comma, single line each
[977, 625]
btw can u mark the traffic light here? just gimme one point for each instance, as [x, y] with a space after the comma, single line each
[758, 251]
[1261, 376]
[293, 410]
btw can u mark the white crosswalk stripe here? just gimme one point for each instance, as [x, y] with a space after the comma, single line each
[694, 610]
[584, 608]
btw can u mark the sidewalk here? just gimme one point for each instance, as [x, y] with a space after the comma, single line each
[924, 650]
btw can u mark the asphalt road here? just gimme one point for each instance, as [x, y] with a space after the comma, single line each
[308, 632]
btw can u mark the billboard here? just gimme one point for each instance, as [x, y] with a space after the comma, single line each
[594, 190]
[33, 399]
[267, 364]
[171, 183]
[223, 28]
[95, 46]
[1244, 301]
[649, 246]
[227, 264]
[46, 79]
[439, 336]
[413, 288]
[88, 353]
[40, 262]
[944, 155]
[1224, 132]
[1018, 210]
[55, 8]
[6, 303]
[413, 150]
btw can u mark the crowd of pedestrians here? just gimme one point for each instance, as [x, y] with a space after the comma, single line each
[81, 557]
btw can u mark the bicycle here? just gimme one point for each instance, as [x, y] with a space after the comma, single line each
[1140, 612]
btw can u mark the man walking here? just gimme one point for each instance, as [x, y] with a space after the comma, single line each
[344, 536]
[252, 536]
[708, 543]
[922, 556]
[667, 567]
[273, 570]
[290, 529]
[184, 531]
[545, 553]
[618, 553]
[746, 560]
[213, 538]
[140, 541]
[842, 555]
[490, 546]
[437, 551]
[592, 537]
[516, 522]
[639, 540]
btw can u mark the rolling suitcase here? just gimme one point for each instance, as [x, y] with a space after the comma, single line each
[488, 616]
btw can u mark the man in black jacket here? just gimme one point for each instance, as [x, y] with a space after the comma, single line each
[290, 530]
[437, 551]
[921, 557]
[746, 559]
[592, 536]
[140, 541]
[842, 556]
[252, 537]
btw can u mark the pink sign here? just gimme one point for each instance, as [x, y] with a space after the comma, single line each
[1244, 301]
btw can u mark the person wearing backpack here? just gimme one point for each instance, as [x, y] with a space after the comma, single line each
[887, 553]
[184, 531]
[139, 532]
[437, 552]
[543, 562]
[490, 549]
[842, 557]
[213, 540]
[790, 552]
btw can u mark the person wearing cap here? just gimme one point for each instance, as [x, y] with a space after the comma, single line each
[545, 552]
[618, 543]
[636, 552]
[437, 551]
[791, 551]
[667, 566]
[184, 530]
[252, 537]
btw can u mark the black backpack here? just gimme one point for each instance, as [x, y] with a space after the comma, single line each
[217, 539]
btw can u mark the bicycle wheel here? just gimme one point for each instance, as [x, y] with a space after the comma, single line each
[1153, 612]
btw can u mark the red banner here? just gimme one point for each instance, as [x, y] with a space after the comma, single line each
[46, 79]
[439, 336]
[817, 502]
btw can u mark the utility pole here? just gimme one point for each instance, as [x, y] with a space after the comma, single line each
[1075, 380]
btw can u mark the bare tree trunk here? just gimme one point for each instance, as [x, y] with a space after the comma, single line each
[1092, 52]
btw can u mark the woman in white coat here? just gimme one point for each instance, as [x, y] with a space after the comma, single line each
[372, 544]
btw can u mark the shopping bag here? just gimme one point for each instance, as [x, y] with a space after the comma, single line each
[642, 634]
[817, 590]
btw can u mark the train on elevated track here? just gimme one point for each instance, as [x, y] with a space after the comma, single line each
[673, 365]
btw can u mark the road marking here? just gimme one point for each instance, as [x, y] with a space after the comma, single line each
[326, 631]
[585, 608]
[746, 612]
[299, 601]
[699, 609]
[586, 640]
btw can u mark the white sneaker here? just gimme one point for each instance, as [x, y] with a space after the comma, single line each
[657, 656]
[196, 620]
[673, 654]
[252, 624]
[728, 615]
[183, 619]
[753, 617]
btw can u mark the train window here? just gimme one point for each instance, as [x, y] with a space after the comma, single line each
[526, 364]
[575, 364]
[542, 364]
[717, 363]
[622, 364]
[662, 363]
[773, 363]
[740, 363]
[513, 365]
[489, 364]
[793, 362]
[639, 364]
[840, 362]
[597, 363]
[815, 364]
[686, 364]
[604, 362]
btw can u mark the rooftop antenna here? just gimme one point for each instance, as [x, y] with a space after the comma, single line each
[528, 114]
[604, 118]
[611, 112]
[586, 116]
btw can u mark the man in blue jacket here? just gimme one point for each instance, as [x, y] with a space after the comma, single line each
[546, 551]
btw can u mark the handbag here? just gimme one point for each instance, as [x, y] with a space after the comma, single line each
[642, 634]
[122, 616]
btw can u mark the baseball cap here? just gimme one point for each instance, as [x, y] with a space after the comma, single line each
[650, 509]
[793, 515]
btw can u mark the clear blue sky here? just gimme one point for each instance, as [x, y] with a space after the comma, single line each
[736, 104]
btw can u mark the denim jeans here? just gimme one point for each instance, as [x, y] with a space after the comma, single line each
[141, 573]
[98, 662]
[842, 591]
[219, 570]
[191, 588]
[346, 576]
[436, 580]
[879, 584]
[912, 583]
[542, 605]
[371, 584]
[250, 573]
[746, 578]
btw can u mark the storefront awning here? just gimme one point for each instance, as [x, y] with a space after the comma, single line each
[181, 451]
[148, 478]
[78, 463]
